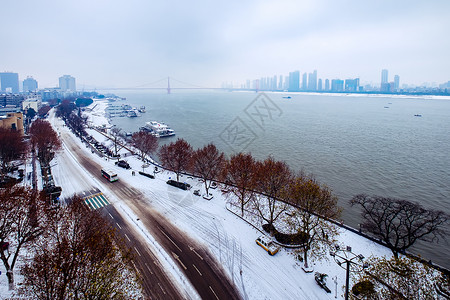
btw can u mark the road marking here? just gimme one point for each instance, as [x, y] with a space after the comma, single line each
[213, 292]
[137, 251]
[161, 288]
[179, 260]
[193, 250]
[197, 270]
[149, 268]
[118, 225]
[134, 265]
[127, 237]
[111, 216]
[170, 239]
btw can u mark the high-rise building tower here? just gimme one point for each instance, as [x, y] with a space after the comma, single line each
[9, 82]
[384, 76]
[280, 83]
[312, 81]
[396, 83]
[305, 82]
[337, 85]
[327, 84]
[67, 83]
[30, 85]
[294, 81]
[319, 84]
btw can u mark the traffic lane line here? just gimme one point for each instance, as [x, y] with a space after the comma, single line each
[197, 270]
[170, 239]
[213, 292]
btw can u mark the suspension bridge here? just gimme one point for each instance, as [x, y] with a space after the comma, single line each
[165, 84]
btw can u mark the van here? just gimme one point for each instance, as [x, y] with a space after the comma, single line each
[267, 244]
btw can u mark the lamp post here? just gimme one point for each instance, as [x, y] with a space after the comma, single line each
[349, 261]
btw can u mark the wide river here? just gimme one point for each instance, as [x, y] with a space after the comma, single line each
[352, 143]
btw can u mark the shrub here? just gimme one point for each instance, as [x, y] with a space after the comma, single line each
[286, 239]
[363, 288]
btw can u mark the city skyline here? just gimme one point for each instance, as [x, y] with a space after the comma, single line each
[137, 42]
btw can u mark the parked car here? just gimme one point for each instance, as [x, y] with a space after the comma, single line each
[267, 244]
[123, 164]
[197, 192]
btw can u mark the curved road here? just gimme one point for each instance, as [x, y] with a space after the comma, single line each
[202, 270]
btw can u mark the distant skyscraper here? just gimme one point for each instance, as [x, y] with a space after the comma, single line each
[352, 85]
[396, 83]
[294, 81]
[327, 84]
[337, 85]
[9, 82]
[67, 83]
[319, 85]
[305, 81]
[30, 84]
[312, 81]
[384, 76]
[280, 83]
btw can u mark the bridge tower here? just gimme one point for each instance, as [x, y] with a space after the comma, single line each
[168, 85]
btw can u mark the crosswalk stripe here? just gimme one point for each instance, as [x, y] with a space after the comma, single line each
[96, 201]
[88, 204]
[103, 200]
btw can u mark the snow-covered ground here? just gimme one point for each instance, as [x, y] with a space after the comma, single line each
[230, 239]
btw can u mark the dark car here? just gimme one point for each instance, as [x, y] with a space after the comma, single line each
[123, 164]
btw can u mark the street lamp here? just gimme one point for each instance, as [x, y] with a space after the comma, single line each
[349, 261]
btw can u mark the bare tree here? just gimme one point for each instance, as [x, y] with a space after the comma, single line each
[400, 223]
[176, 156]
[239, 174]
[145, 142]
[12, 147]
[315, 204]
[115, 134]
[207, 162]
[45, 142]
[79, 258]
[272, 179]
[22, 220]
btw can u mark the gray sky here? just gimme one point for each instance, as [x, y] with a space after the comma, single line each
[127, 43]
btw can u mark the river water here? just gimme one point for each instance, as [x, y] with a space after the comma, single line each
[352, 143]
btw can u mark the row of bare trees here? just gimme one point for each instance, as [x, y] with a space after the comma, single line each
[267, 188]
[260, 185]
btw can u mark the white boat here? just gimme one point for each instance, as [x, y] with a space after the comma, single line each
[141, 109]
[158, 129]
[132, 113]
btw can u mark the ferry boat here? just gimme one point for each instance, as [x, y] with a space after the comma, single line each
[158, 129]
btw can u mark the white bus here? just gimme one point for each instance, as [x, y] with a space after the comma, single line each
[110, 175]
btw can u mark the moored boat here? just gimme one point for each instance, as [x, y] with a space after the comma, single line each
[158, 129]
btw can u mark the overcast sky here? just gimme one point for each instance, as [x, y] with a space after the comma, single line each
[128, 43]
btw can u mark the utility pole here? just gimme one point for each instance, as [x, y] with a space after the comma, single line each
[349, 261]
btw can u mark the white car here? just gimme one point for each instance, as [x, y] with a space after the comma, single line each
[267, 244]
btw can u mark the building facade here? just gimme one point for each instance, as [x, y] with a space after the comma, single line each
[294, 81]
[67, 83]
[9, 82]
[30, 85]
[384, 76]
[12, 121]
[312, 81]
